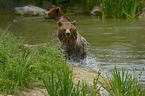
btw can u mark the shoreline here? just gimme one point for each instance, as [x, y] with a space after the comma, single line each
[79, 73]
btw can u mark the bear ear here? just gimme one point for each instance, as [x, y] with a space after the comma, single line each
[59, 23]
[74, 22]
[57, 9]
[53, 6]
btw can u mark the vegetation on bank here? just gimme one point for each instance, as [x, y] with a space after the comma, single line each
[122, 8]
[21, 66]
[64, 85]
[123, 84]
[109, 8]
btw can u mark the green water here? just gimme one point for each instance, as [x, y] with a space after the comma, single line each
[111, 42]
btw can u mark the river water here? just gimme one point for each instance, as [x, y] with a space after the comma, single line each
[111, 42]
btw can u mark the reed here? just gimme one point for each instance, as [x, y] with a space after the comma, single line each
[124, 84]
[113, 8]
[86, 4]
[121, 8]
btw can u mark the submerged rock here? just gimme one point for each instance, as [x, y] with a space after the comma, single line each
[30, 10]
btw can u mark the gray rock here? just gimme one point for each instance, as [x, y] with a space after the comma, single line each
[95, 10]
[30, 10]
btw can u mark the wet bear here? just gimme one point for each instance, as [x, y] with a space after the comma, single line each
[73, 44]
[57, 14]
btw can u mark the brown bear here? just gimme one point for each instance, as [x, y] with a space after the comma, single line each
[73, 44]
[57, 14]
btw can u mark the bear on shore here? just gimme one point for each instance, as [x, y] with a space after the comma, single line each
[73, 44]
[57, 14]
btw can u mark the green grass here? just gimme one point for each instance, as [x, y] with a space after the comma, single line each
[113, 8]
[63, 85]
[121, 8]
[12, 59]
[124, 84]
[20, 66]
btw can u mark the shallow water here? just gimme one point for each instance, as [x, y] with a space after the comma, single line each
[111, 42]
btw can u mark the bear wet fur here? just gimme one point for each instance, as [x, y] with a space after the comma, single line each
[57, 14]
[73, 44]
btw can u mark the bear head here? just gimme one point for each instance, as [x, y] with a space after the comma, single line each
[67, 32]
[54, 13]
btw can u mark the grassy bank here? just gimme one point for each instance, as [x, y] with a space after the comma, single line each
[124, 84]
[23, 67]
[20, 66]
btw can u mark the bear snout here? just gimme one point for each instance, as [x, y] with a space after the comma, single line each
[68, 33]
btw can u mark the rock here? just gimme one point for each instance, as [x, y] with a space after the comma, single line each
[47, 5]
[142, 16]
[30, 10]
[95, 10]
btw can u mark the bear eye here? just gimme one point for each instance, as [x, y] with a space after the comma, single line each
[63, 30]
[71, 30]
